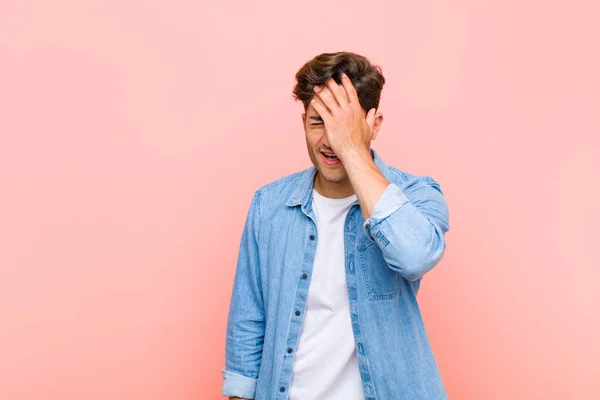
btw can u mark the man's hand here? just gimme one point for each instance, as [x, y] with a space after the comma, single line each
[346, 127]
[349, 134]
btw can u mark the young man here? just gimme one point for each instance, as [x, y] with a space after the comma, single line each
[324, 299]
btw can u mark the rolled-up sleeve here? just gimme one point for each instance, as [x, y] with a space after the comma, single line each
[238, 385]
[408, 223]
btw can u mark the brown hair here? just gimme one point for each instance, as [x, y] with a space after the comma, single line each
[366, 78]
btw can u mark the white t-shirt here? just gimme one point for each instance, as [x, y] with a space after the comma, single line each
[325, 365]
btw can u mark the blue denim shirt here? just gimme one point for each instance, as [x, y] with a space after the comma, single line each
[385, 258]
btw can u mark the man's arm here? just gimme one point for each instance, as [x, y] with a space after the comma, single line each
[246, 319]
[408, 223]
[366, 179]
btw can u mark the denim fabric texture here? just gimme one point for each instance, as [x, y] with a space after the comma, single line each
[386, 257]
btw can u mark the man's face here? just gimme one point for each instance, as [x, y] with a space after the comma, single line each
[331, 171]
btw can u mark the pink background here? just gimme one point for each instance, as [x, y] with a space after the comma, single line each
[133, 134]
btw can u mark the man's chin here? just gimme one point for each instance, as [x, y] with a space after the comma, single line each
[333, 178]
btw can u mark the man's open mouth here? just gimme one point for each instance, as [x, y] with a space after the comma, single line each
[330, 159]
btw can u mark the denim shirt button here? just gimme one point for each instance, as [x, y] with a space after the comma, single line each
[304, 275]
[312, 237]
[282, 389]
[289, 350]
[297, 312]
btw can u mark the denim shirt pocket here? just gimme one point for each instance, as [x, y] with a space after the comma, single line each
[381, 281]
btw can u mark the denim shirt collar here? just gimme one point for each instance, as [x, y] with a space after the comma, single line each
[303, 193]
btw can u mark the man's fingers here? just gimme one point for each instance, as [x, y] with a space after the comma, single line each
[338, 91]
[320, 108]
[351, 93]
[325, 95]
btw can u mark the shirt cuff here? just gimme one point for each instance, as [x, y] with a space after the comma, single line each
[238, 385]
[390, 201]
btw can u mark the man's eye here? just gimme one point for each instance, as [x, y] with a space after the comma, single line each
[317, 123]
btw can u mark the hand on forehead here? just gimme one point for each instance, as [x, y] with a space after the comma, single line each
[335, 96]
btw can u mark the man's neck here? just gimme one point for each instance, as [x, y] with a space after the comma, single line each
[333, 190]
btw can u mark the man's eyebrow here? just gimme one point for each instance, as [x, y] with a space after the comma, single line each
[316, 118]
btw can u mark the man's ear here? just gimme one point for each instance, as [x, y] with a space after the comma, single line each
[377, 124]
[303, 118]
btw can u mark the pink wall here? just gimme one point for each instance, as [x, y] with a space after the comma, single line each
[133, 134]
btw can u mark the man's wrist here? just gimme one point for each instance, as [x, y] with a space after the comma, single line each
[349, 153]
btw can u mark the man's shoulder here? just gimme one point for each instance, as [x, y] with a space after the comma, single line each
[405, 179]
[280, 190]
[398, 176]
[290, 180]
